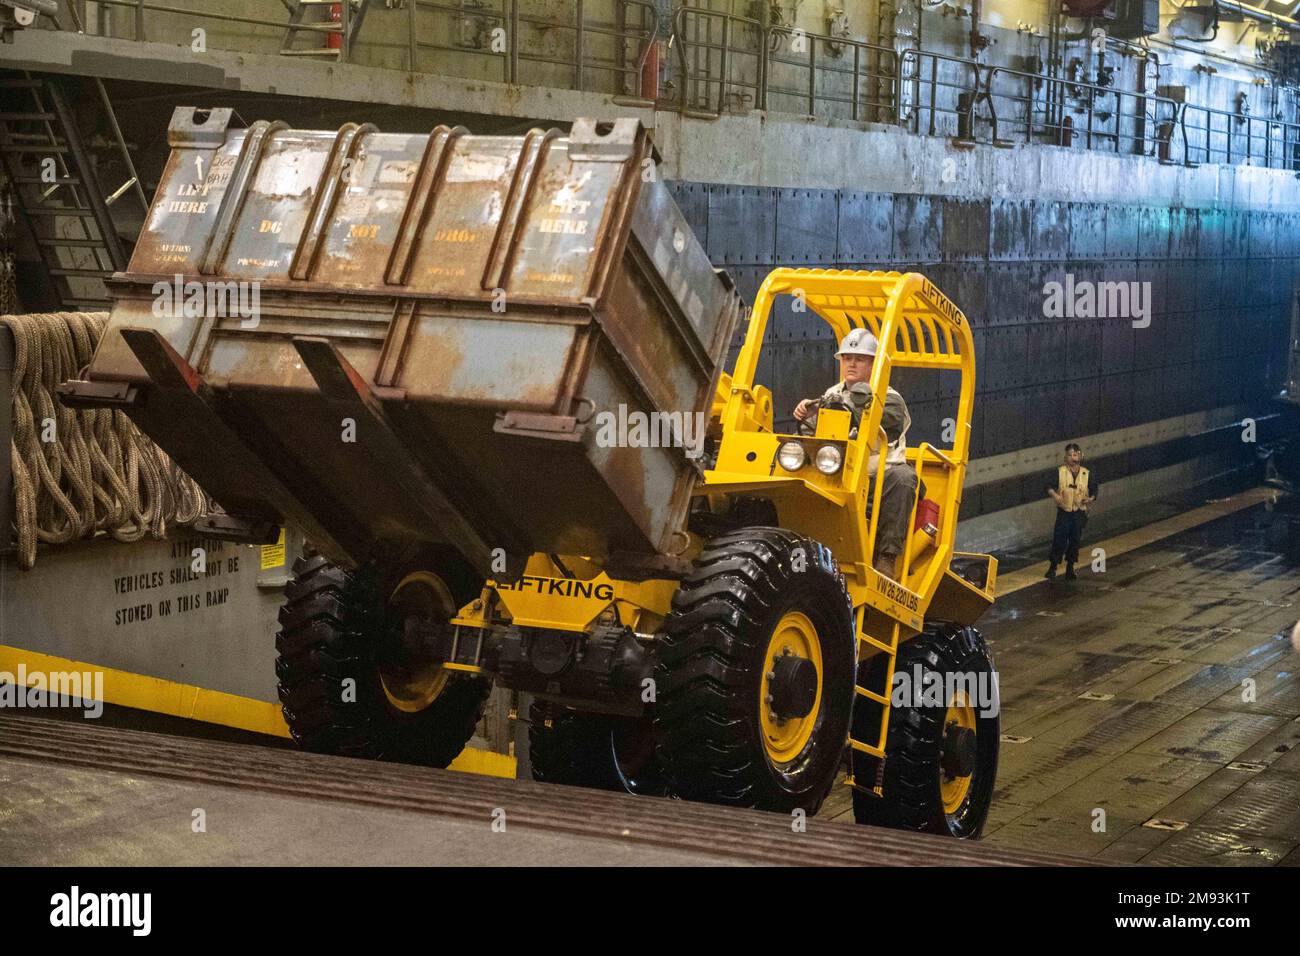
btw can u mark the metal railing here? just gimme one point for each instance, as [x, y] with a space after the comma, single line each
[506, 42]
[730, 64]
[841, 78]
[520, 64]
[721, 57]
[1221, 136]
[1015, 106]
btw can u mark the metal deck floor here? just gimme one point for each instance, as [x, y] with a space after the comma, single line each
[1123, 691]
[73, 793]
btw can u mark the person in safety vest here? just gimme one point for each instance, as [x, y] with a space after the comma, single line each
[1073, 488]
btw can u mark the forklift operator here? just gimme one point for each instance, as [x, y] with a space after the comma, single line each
[857, 354]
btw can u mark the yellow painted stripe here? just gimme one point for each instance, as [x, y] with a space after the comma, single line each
[210, 706]
[1148, 534]
[161, 696]
[485, 762]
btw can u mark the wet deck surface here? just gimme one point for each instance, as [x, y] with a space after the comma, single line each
[1128, 692]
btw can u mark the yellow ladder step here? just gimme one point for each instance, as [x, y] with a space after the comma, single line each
[849, 781]
[871, 695]
[878, 645]
[867, 749]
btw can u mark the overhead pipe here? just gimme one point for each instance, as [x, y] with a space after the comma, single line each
[1259, 14]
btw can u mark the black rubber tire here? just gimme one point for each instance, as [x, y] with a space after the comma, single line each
[911, 799]
[709, 676]
[580, 749]
[331, 629]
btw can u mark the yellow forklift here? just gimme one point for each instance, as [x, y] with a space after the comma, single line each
[448, 326]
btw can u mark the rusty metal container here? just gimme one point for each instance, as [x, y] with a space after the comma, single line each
[439, 320]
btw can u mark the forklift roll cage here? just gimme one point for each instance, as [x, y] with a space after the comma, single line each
[917, 326]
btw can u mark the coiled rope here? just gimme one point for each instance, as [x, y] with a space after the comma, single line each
[80, 472]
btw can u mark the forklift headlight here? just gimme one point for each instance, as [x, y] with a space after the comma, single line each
[791, 456]
[828, 459]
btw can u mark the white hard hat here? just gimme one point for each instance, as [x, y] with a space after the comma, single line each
[858, 342]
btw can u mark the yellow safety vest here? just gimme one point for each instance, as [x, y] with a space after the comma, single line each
[1072, 488]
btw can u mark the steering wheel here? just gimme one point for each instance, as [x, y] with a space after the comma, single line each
[809, 425]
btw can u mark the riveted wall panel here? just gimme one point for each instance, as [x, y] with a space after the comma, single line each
[1011, 230]
[693, 200]
[1263, 228]
[1082, 409]
[1152, 276]
[1116, 346]
[1087, 230]
[1051, 230]
[1184, 233]
[1282, 285]
[1204, 334]
[1184, 289]
[1213, 227]
[1216, 284]
[742, 225]
[1116, 402]
[1153, 232]
[1046, 352]
[1015, 293]
[1149, 342]
[807, 226]
[1204, 387]
[1207, 281]
[1286, 275]
[1122, 226]
[965, 225]
[1236, 234]
[1083, 351]
[865, 227]
[918, 228]
[1005, 356]
[1148, 390]
[1004, 422]
[1229, 330]
[1180, 338]
[1177, 346]
[1288, 237]
[1244, 380]
[1044, 409]
[1257, 290]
